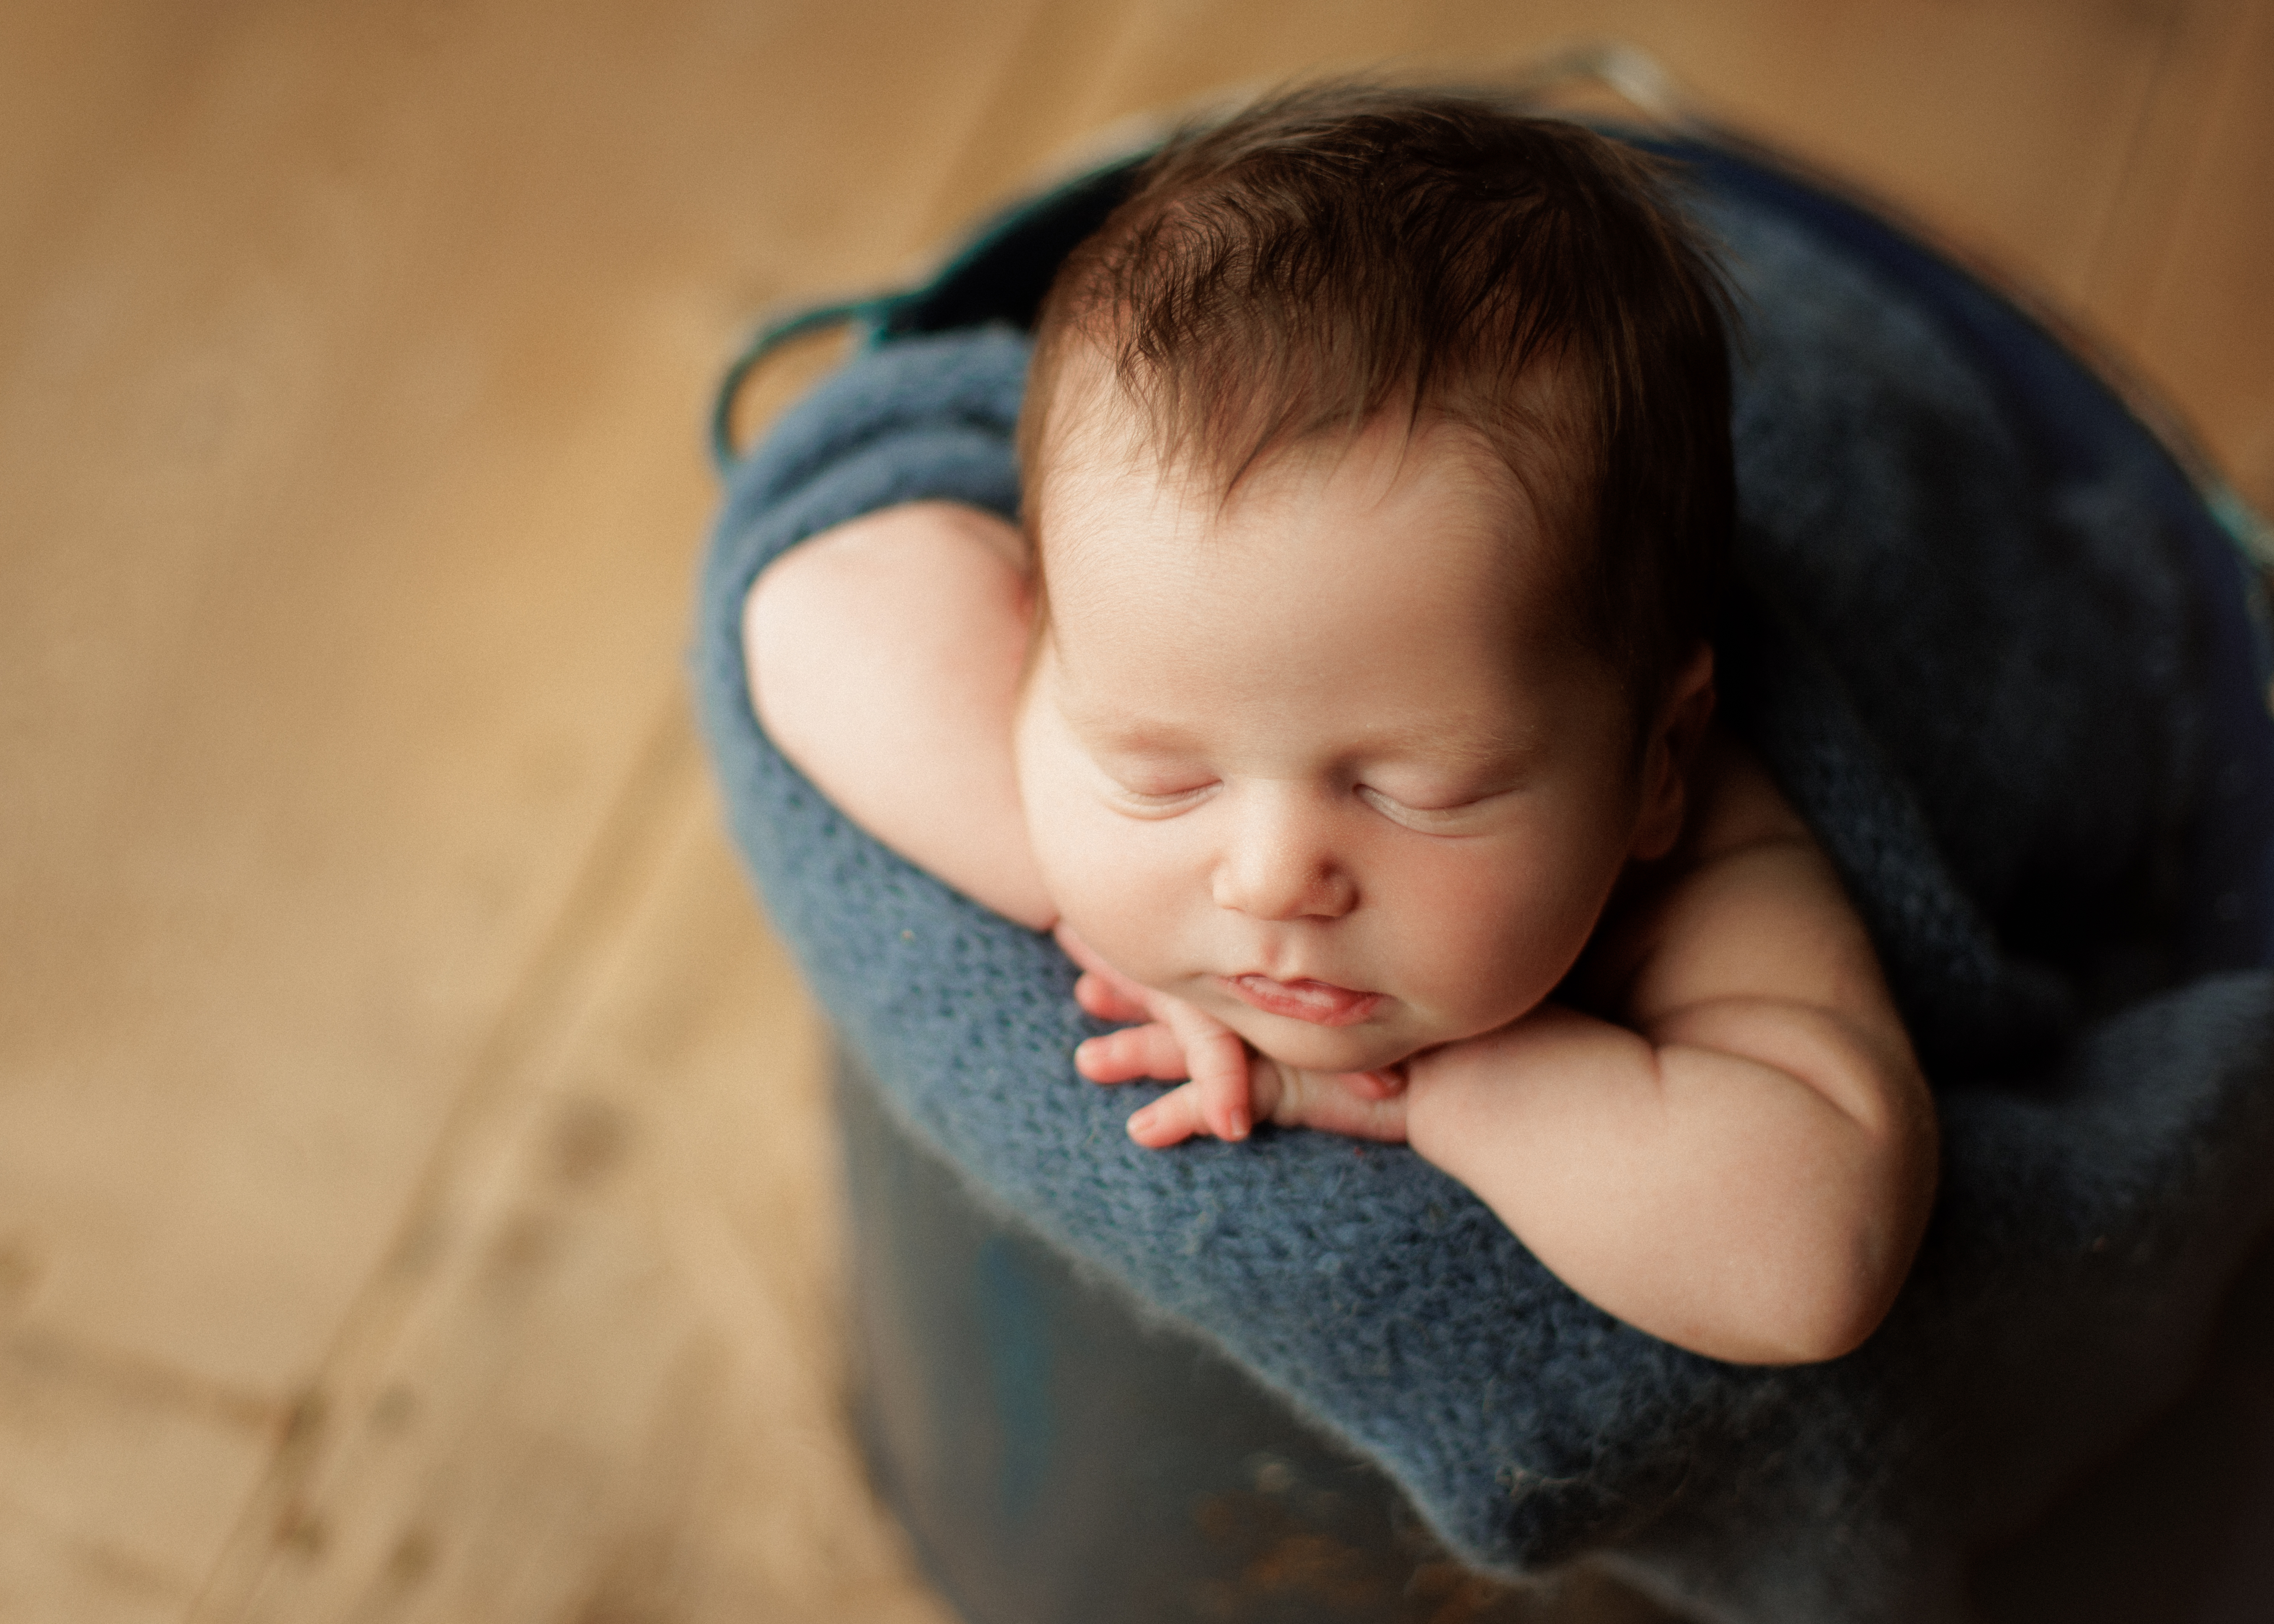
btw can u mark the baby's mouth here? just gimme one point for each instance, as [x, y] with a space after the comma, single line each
[1322, 1003]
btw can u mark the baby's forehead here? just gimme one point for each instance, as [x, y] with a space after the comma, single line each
[1401, 535]
[1103, 460]
[1124, 539]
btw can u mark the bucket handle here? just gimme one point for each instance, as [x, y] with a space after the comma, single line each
[771, 334]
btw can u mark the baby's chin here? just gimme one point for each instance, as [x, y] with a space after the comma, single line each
[1308, 1047]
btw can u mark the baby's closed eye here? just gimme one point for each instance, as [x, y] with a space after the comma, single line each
[1155, 793]
[1433, 812]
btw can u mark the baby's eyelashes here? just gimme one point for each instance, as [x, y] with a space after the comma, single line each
[1151, 802]
[1437, 816]
[1166, 797]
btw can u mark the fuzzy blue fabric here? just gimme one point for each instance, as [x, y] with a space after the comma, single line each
[1989, 642]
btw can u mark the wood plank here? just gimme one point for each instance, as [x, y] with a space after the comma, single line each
[2005, 125]
[2129, 261]
[352, 364]
[351, 431]
[2185, 285]
[122, 1479]
[618, 1391]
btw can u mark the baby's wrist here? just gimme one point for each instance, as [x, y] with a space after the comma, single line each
[1432, 1091]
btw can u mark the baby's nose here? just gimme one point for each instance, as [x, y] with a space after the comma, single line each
[1280, 864]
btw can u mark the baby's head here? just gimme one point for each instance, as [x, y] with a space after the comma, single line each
[1378, 473]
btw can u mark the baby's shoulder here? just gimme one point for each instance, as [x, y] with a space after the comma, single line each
[1746, 882]
[1730, 804]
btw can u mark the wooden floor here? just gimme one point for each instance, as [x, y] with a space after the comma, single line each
[416, 1198]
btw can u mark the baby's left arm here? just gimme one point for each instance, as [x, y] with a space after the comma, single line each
[1743, 1162]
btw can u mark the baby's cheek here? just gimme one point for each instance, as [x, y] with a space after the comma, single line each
[1047, 795]
[1099, 879]
[1111, 905]
[1490, 942]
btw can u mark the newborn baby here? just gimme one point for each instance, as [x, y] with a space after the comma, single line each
[1345, 704]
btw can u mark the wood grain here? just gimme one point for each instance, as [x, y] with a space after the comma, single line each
[605, 1383]
[353, 362]
[2184, 284]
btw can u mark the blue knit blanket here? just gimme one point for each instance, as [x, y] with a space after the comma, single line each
[1989, 642]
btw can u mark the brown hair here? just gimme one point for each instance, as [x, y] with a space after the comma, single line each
[1346, 250]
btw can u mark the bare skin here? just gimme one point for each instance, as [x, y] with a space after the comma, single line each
[1330, 822]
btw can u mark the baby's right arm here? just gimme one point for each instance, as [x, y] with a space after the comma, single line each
[883, 657]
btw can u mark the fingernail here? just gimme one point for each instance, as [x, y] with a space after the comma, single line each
[1238, 1124]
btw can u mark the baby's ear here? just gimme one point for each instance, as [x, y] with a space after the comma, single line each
[1675, 733]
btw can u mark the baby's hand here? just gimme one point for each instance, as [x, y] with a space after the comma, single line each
[1174, 1040]
[1232, 1086]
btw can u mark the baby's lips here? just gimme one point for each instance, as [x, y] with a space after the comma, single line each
[1320, 1003]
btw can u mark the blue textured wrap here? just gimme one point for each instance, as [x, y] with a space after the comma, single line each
[1989, 642]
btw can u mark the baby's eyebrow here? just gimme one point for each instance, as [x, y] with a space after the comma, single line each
[1458, 747]
[1485, 744]
[1135, 735]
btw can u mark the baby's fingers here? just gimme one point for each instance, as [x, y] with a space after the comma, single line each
[1176, 1116]
[1354, 1103]
[1135, 1051]
[1217, 1063]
